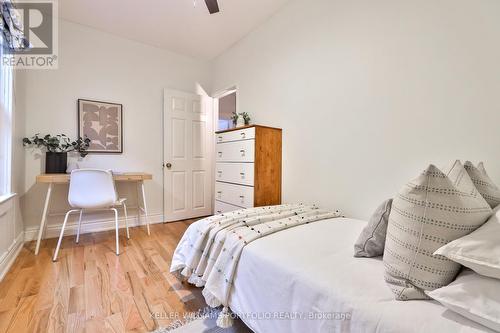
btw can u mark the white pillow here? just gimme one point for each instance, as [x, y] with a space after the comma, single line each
[473, 296]
[479, 250]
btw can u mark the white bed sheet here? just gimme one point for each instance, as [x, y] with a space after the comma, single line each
[311, 269]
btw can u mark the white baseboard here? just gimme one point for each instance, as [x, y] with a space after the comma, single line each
[53, 230]
[8, 259]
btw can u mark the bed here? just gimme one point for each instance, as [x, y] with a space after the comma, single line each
[279, 284]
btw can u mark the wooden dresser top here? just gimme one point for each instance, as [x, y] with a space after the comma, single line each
[246, 126]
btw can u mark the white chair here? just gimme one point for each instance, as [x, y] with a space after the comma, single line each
[92, 189]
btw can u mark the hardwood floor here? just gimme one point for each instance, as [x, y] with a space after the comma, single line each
[90, 289]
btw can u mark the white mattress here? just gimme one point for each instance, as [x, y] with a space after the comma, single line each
[311, 269]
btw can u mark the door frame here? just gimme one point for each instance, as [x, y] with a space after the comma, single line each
[221, 93]
[215, 121]
[208, 103]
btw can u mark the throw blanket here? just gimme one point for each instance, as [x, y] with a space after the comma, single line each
[214, 246]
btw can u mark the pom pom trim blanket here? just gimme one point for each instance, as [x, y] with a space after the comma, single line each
[209, 251]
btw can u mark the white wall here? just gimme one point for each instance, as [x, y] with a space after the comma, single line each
[369, 92]
[99, 66]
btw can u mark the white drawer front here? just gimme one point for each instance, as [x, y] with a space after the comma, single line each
[222, 207]
[237, 195]
[238, 173]
[238, 151]
[244, 134]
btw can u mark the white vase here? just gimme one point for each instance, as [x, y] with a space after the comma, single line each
[240, 121]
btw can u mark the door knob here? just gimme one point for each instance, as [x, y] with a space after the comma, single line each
[168, 165]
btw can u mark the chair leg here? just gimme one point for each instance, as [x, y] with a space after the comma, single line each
[126, 219]
[61, 235]
[78, 229]
[117, 228]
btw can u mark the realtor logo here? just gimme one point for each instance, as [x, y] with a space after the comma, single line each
[30, 34]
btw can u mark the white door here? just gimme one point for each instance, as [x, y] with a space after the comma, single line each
[187, 155]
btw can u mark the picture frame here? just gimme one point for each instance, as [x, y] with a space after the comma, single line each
[102, 123]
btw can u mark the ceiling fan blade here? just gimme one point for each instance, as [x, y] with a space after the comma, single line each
[213, 6]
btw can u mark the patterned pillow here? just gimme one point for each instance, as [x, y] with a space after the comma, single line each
[437, 207]
[371, 241]
[489, 191]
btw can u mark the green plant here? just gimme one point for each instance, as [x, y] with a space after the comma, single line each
[245, 116]
[58, 143]
[234, 117]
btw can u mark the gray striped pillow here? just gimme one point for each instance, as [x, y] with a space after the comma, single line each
[484, 184]
[437, 207]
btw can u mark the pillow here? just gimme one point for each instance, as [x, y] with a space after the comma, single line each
[473, 296]
[479, 250]
[371, 241]
[437, 207]
[489, 191]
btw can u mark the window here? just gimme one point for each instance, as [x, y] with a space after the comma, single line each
[6, 104]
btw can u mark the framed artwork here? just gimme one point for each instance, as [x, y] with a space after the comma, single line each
[102, 123]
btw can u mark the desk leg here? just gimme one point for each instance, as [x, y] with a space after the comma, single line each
[139, 208]
[44, 218]
[145, 206]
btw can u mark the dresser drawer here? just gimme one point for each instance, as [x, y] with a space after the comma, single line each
[237, 195]
[222, 207]
[243, 134]
[238, 173]
[237, 151]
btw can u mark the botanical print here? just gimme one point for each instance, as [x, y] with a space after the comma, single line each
[102, 123]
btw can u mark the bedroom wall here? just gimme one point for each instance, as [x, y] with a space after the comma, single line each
[100, 66]
[369, 92]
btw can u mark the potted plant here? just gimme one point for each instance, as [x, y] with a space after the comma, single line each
[57, 147]
[240, 119]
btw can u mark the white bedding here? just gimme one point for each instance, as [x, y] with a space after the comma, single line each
[311, 269]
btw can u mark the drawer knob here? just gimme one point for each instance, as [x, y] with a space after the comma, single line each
[242, 152]
[219, 138]
[220, 154]
[242, 174]
[243, 135]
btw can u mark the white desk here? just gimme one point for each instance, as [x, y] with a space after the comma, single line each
[56, 178]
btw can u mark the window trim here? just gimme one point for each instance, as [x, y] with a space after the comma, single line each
[6, 127]
[6, 197]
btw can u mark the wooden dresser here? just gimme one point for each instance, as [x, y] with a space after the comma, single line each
[247, 168]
